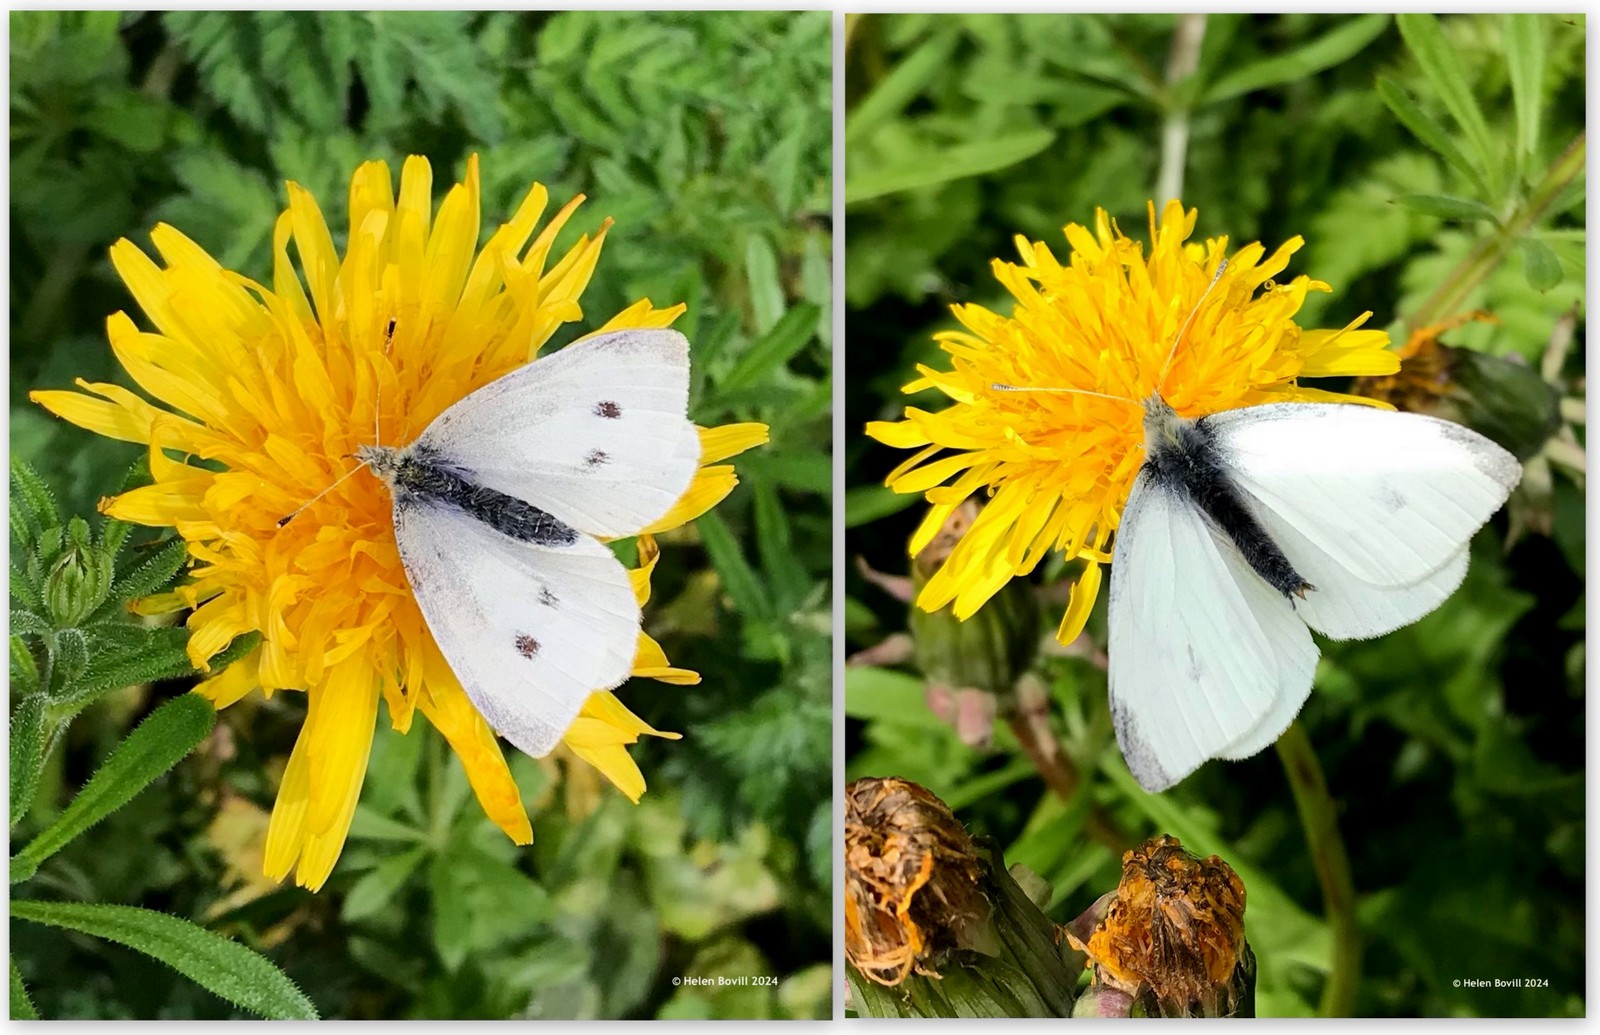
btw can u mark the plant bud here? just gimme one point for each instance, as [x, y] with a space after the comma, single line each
[78, 580]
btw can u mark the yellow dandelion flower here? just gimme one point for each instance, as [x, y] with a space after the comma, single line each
[1058, 467]
[274, 388]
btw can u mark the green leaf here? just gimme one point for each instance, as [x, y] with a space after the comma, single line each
[27, 754]
[777, 346]
[374, 891]
[68, 658]
[1425, 129]
[1446, 206]
[766, 289]
[162, 656]
[147, 578]
[220, 965]
[886, 695]
[951, 163]
[1333, 47]
[24, 671]
[907, 79]
[1539, 264]
[864, 504]
[155, 746]
[377, 827]
[27, 623]
[738, 578]
[1442, 66]
[21, 1006]
[1525, 60]
[786, 576]
[29, 490]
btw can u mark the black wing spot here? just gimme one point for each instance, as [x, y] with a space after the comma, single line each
[547, 598]
[596, 458]
[527, 646]
[608, 410]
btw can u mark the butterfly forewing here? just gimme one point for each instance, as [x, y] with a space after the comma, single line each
[595, 434]
[1204, 655]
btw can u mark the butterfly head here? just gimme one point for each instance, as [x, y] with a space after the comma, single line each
[381, 460]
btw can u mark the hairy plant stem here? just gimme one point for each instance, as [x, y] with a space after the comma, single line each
[1182, 61]
[1489, 252]
[1319, 816]
[1061, 776]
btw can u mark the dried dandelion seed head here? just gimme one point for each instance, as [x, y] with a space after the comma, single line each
[912, 881]
[1172, 932]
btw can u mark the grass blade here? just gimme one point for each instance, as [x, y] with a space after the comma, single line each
[1443, 68]
[1525, 59]
[1334, 47]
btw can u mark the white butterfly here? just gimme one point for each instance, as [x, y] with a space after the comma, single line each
[1247, 526]
[497, 506]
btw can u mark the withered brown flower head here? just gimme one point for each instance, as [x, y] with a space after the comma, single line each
[1175, 928]
[911, 881]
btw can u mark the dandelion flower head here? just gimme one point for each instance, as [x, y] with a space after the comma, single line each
[1057, 467]
[267, 391]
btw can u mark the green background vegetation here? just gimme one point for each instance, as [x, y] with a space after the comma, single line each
[1454, 749]
[707, 138]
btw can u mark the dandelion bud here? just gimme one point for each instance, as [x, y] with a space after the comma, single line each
[933, 922]
[971, 661]
[79, 579]
[1170, 940]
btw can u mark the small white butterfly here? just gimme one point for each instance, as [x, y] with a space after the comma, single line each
[1247, 526]
[497, 506]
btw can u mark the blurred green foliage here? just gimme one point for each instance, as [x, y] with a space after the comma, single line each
[707, 138]
[1433, 166]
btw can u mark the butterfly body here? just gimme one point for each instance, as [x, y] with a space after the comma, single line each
[418, 477]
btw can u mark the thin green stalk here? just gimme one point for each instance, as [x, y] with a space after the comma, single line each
[1487, 255]
[1319, 816]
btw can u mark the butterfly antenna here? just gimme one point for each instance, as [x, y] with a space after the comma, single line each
[1221, 266]
[998, 387]
[340, 481]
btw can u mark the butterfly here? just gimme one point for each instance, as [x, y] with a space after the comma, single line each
[500, 505]
[1249, 528]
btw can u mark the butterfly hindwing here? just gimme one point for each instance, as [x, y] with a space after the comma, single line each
[529, 630]
[595, 434]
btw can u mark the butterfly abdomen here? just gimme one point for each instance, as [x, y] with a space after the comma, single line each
[1184, 457]
[419, 478]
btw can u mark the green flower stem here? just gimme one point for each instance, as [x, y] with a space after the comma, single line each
[1319, 817]
[1061, 776]
[1487, 255]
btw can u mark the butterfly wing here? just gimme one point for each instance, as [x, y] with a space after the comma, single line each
[595, 434]
[1206, 659]
[529, 630]
[1374, 508]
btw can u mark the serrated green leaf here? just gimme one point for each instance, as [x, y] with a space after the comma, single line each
[1539, 264]
[785, 338]
[973, 158]
[21, 1006]
[1425, 129]
[27, 754]
[1336, 46]
[1442, 65]
[154, 746]
[1446, 206]
[220, 965]
[738, 578]
[38, 502]
[1525, 61]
